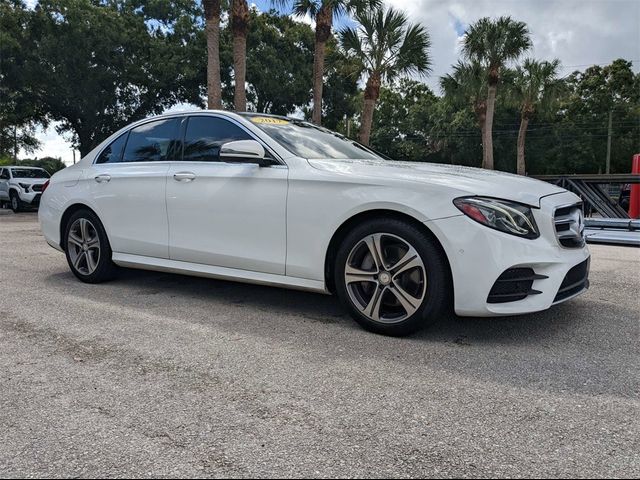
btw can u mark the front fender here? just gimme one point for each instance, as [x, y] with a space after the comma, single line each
[317, 207]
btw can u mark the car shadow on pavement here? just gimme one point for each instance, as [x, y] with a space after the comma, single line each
[525, 351]
[326, 309]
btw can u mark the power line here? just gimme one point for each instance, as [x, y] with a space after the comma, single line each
[400, 137]
[594, 64]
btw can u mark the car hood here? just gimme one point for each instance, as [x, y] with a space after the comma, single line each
[30, 181]
[465, 180]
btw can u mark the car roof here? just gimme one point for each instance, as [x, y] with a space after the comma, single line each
[230, 113]
[21, 166]
[270, 115]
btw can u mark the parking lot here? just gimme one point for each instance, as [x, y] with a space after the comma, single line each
[164, 375]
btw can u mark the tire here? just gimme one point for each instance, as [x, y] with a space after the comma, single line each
[16, 203]
[413, 284]
[87, 248]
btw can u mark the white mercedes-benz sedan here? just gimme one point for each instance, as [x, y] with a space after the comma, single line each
[279, 201]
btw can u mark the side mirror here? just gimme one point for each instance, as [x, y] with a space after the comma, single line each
[243, 150]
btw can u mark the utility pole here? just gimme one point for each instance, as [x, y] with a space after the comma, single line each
[15, 143]
[608, 168]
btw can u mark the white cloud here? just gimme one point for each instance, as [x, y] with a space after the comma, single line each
[578, 32]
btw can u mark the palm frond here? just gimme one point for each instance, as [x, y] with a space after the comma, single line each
[299, 7]
[466, 84]
[413, 56]
[536, 86]
[353, 48]
[387, 44]
[353, 6]
[496, 42]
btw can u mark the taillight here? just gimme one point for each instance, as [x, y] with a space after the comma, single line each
[45, 185]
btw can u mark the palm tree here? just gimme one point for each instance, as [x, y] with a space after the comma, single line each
[323, 12]
[468, 85]
[240, 28]
[494, 43]
[536, 89]
[212, 29]
[385, 46]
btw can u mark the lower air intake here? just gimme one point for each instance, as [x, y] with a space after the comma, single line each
[576, 280]
[513, 285]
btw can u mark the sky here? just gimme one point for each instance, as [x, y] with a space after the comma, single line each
[580, 33]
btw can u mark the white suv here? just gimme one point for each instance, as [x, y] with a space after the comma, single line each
[22, 187]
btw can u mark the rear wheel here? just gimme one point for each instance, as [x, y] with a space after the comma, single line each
[87, 248]
[392, 277]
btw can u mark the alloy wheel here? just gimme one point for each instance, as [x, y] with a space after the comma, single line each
[385, 278]
[84, 246]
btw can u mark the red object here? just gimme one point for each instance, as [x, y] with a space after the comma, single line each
[474, 212]
[634, 201]
[45, 185]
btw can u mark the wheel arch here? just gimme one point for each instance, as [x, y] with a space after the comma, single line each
[343, 230]
[71, 209]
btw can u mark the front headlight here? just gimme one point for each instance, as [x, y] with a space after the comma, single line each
[25, 186]
[503, 215]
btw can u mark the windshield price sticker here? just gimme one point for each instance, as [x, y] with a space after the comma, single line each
[269, 120]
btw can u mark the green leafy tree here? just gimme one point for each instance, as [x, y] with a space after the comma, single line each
[20, 81]
[465, 87]
[386, 46]
[402, 123]
[536, 90]
[17, 135]
[579, 132]
[493, 44]
[50, 164]
[106, 65]
[455, 135]
[341, 98]
[280, 64]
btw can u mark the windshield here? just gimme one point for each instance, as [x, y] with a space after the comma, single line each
[310, 141]
[29, 173]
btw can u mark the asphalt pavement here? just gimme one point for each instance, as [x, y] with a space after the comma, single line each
[156, 374]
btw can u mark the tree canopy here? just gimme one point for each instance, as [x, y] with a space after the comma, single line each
[92, 66]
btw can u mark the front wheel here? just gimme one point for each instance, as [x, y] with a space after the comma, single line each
[16, 203]
[392, 277]
[87, 248]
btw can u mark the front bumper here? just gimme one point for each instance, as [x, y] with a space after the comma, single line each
[478, 256]
[31, 198]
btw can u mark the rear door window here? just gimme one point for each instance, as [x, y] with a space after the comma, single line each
[113, 153]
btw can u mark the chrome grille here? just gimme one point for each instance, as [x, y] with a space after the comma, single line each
[569, 226]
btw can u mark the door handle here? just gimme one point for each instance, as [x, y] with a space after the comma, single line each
[103, 177]
[184, 176]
